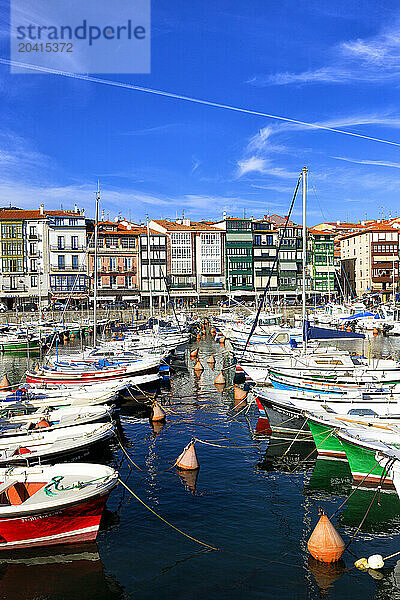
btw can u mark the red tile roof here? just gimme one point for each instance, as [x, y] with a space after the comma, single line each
[22, 214]
[194, 226]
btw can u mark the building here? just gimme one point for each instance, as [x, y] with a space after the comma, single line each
[265, 245]
[321, 249]
[40, 260]
[290, 258]
[238, 256]
[195, 260]
[67, 257]
[153, 276]
[370, 258]
[117, 259]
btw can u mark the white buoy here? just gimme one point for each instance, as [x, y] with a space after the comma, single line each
[188, 459]
[376, 561]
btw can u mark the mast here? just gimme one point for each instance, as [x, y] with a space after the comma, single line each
[149, 268]
[96, 226]
[304, 180]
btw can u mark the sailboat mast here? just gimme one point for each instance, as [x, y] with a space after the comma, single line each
[304, 180]
[96, 226]
[149, 268]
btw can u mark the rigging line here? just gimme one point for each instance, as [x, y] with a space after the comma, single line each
[138, 88]
[261, 304]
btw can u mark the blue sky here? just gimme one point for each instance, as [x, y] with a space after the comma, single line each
[334, 64]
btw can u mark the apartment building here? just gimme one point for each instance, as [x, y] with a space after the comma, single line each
[265, 246]
[67, 258]
[321, 250]
[117, 259]
[238, 255]
[195, 259]
[370, 259]
[153, 276]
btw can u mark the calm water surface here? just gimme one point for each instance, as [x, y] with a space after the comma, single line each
[245, 500]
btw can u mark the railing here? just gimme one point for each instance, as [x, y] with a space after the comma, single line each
[186, 285]
[212, 285]
[14, 288]
[56, 248]
[69, 288]
[69, 268]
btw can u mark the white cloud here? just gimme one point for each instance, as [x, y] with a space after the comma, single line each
[375, 163]
[372, 60]
[251, 165]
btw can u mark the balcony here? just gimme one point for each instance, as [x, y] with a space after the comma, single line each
[215, 285]
[33, 237]
[242, 287]
[20, 287]
[81, 269]
[182, 286]
[56, 248]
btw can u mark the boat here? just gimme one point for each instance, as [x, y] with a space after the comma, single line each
[69, 373]
[42, 445]
[48, 505]
[19, 419]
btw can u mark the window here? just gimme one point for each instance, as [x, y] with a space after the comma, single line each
[61, 261]
[34, 281]
[74, 242]
[73, 222]
[34, 265]
[210, 266]
[113, 264]
[257, 240]
[128, 281]
[128, 264]
[32, 232]
[32, 248]
[75, 261]
[60, 242]
[113, 280]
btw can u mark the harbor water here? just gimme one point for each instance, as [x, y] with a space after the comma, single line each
[255, 499]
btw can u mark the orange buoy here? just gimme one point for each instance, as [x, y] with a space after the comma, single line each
[211, 360]
[240, 396]
[194, 353]
[220, 378]
[72, 335]
[221, 341]
[42, 424]
[4, 383]
[198, 337]
[37, 368]
[158, 413]
[325, 543]
[348, 329]
[375, 331]
[198, 367]
[187, 460]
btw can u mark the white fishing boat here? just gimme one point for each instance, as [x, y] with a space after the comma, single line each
[19, 419]
[43, 445]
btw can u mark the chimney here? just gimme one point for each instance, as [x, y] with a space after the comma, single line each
[224, 215]
[41, 209]
[76, 208]
[337, 222]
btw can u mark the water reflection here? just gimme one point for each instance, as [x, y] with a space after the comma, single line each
[326, 574]
[60, 572]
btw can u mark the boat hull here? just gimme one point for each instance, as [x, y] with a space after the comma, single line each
[69, 525]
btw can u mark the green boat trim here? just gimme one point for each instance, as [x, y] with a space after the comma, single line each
[366, 467]
[327, 444]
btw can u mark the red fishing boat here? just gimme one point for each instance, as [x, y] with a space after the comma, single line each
[48, 505]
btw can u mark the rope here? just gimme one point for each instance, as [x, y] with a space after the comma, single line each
[294, 439]
[126, 454]
[354, 491]
[165, 520]
[378, 488]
